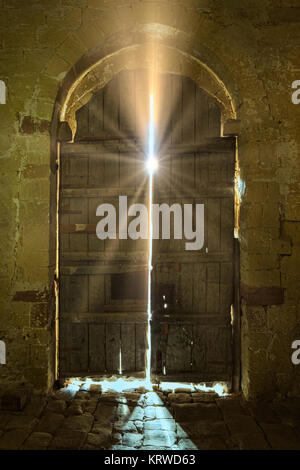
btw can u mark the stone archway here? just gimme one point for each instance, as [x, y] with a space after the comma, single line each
[174, 55]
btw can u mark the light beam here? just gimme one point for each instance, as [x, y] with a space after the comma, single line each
[151, 163]
[151, 166]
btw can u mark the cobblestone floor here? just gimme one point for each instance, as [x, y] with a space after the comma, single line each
[83, 417]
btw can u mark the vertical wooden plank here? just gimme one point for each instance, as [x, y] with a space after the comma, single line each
[182, 202]
[162, 179]
[194, 270]
[112, 162]
[128, 347]
[142, 245]
[96, 293]
[230, 168]
[96, 114]
[127, 170]
[64, 290]
[65, 347]
[218, 347]
[176, 172]
[214, 120]
[172, 244]
[178, 359]
[173, 274]
[127, 103]
[78, 171]
[188, 174]
[78, 292]
[214, 168]
[113, 345]
[201, 288]
[199, 348]
[188, 115]
[141, 176]
[236, 323]
[97, 170]
[226, 288]
[204, 201]
[227, 224]
[202, 116]
[78, 241]
[161, 244]
[164, 106]
[111, 107]
[223, 171]
[176, 131]
[187, 287]
[107, 288]
[79, 354]
[64, 219]
[64, 170]
[97, 347]
[142, 103]
[201, 170]
[213, 288]
[94, 243]
[111, 245]
[214, 229]
[140, 340]
[82, 118]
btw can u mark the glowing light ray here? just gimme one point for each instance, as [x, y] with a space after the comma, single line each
[151, 166]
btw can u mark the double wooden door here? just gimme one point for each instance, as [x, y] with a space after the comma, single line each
[103, 283]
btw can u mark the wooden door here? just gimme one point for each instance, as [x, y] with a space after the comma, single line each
[193, 290]
[103, 283]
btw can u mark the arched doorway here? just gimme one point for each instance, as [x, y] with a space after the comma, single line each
[103, 283]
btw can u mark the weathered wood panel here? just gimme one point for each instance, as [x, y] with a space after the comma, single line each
[179, 348]
[192, 291]
[97, 347]
[92, 176]
[128, 347]
[113, 347]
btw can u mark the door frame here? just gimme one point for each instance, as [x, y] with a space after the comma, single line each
[61, 132]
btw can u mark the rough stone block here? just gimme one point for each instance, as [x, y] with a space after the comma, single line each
[232, 127]
[37, 441]
[281, 437]
[14, 400]
[180, 398]
[50, 422]
[101, 440]
[157, 412]
[21, 422]
[79, 423]
[68, 439]
[56, 406]
[12, 440]
[240, 424]
[132, 440]
[196, 411]
[159, 438]
[247, 441]
[204, 397]
[160, 424]
[187, 444]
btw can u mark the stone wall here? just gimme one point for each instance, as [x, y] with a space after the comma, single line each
[254, 48]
